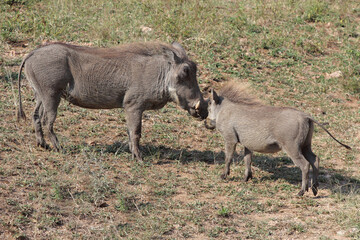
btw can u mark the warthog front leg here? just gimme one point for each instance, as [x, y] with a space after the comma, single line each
[247, 160]
[229, 153]
[133, 120]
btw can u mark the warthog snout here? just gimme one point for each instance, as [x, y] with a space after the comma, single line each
[210, 124]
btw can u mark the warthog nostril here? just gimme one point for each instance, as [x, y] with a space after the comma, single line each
[210, 124]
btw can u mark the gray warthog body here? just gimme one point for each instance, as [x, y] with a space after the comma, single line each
[136, 77]
[264, 129]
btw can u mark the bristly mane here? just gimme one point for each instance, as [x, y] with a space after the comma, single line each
[237, 93]
[147, 49]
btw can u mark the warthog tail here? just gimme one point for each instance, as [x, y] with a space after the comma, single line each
[322, 126]
[20, 111]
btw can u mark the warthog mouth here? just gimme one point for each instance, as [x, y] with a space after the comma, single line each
[195, 113]
[198, 112]
[210, 126]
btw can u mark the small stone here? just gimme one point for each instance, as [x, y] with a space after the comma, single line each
[336, 74]
[145, 29]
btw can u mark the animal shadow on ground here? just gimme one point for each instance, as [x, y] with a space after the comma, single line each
[165, 155]
[283, 168]
[161, 153]
[279, 167]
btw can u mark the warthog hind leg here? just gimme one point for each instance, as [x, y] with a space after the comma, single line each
[37, 116]
[300, 161]
[50, 110]
[314, 162]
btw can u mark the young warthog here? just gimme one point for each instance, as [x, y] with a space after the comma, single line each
[137, 77]
[264, 129]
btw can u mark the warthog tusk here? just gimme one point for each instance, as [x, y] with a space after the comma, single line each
[197, 106]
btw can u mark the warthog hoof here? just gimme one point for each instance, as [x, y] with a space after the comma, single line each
[248, 176]
[139, 159]
[314, 190]
[223, 176]
[59, 149]
[301, 193]
[43, 145]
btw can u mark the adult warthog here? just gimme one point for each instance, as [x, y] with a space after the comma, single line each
[136, 77]
[265, 129]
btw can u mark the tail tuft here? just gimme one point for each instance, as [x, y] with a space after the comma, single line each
[347, 147]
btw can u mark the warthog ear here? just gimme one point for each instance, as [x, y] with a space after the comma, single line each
[180, 50]
[214, 96]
